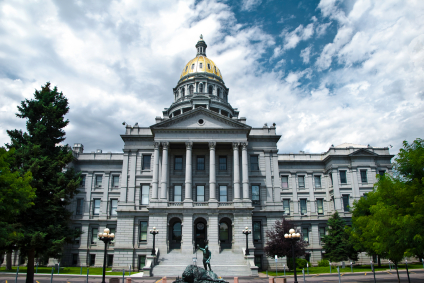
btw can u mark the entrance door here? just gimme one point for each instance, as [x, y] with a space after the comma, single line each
[175, 236]
[200, 235]
[225, 234]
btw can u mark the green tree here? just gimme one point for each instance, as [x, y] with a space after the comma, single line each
[336, 243]
[45, 225]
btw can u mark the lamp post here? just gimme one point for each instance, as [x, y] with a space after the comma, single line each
[106, 238]
[154, 231]
[246, 231]
[293, 237]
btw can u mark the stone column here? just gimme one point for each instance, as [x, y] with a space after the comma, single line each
[268, 179]
[312, 200]
[155, 171]
[236, 171]
[355, 184]
[245, 171]
[212, 175]
[188, 173]
[336, 190]
[164, 179]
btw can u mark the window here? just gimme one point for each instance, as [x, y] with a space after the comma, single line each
[343, 177]
[321, 233]
[146, 162]
[210, 89]
[80, 203]
[223, 194]
[285, 182]
[145, 194]
[178, 163]
[109, 260]
[214, 68]
[320, 206]
[364, 178]
[200, 163]
[82, 184]
[92, 259]
[331, 179]
[74, 259]
[186, 68]
[201, 88]
[258, 262]
[317, 181]
[305, 234]
[303, 209]
[96, 206]
[77, 238]
[191, 89]
[177, 193]
[346, 206]
[223, 163]
[183, 91]
[115, 181]
[98, 181]
[381, 173]
[113, 207]
[255, 194]
[301, 180]
[209, 66]
[200, 193]
[141, 262]
[94, 232]
[143, 231]
[254, 164]
[286, 206]
[192, 66]
[257, 231]
[201, 65]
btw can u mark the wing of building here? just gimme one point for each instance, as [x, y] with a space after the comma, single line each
[200, 172]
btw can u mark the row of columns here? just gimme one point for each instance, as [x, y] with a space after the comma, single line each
[212, 171]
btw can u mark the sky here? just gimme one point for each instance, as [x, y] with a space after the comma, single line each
[326, 72]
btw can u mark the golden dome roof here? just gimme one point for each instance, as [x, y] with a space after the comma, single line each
[200, 64]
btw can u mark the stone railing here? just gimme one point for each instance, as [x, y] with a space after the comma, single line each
[200, 204]
[175, 204]
[220, 204]
[151, 261]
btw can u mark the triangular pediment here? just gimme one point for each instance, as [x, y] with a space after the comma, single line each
[363, 152]
[200, 119]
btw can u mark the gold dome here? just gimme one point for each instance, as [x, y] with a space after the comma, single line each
[200, 64]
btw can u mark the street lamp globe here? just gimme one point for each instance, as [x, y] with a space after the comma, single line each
[291, 231]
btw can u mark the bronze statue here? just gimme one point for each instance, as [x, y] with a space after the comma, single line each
[207, 254]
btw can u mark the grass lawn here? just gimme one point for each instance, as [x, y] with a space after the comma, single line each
[68, 270]
[357, 268]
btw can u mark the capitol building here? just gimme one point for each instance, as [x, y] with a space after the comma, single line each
[200, 172]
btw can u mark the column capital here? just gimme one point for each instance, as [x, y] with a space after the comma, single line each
[189, 145]
[236, 145]
[244, 145]
[156, 144]
[165, 145]
[212, 145]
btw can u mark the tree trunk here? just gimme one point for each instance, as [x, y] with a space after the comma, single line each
[379, 261]
[9, 261]
[30, 266]
[397, 271]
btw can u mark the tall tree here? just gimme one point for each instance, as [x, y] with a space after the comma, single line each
[46, 224]
[336, 243]
[280, 246]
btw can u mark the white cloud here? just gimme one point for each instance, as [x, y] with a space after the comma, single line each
[305, 54]
[249, 5]
[291, 39]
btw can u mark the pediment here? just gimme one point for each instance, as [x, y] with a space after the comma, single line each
[200, 119]
[363, 152]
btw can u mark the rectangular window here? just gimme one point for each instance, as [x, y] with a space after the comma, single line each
[317, 180]
[381, 172]
[200, 65]
[222, 163]
[258, 262]
[301, 180]
[331, 179]
[303, 209]
[254, 163]
[343, 179]
[99, 181]
[321, 233]
[113, 207]
[96, 206]
[145, 194]
[115, 181]
[305, 234]
[109, 260]
[146, 162]
[257, 231]
[178, 163]
[143, 231]
[94, 239]
[80, 203]
[364, 178]
[200, 193]
[77, 238]
[320, 206]
[255, 194]
[223, 194]
[286, 206]
[82, 184]
[285, 182]
[141, 262]
[177, 193]
[346, 206]
[92, 259]
[74, 259]
[200, 163]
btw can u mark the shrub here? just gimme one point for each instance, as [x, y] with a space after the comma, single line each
[300, 263]
[323, 263]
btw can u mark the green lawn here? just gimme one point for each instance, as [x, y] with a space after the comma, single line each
[357, 268]
[68, 270]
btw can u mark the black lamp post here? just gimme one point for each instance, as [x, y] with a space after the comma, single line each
[106, 238]
[154, 231]
[293, 237]
[246, 231]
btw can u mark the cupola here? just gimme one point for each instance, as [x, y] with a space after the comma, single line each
[201, 47]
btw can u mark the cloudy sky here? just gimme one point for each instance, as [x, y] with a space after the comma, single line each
[326, 72]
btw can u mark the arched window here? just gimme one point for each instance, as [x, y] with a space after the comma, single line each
[201, 88]
[191, 89]
[210, 89]
[192, 66]
[209, 66]
[201, 65]
[183, 91]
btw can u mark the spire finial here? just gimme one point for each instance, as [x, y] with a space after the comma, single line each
[201, 36]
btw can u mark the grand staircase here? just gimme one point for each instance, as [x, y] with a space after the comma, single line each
[226, 264]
